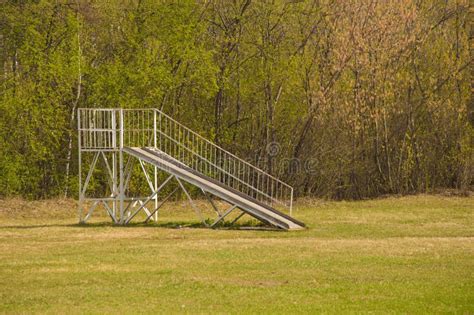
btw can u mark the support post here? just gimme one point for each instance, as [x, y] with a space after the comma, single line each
[79, 143]
[155, 173]
[114, 180]
[291, 202]
[121, 170]
[156, 196]
[114, 166]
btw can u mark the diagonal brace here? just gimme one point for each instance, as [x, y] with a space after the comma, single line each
[160, 204]
[141, 207]
[220, 218]
[211, 202]
[149, 198]
[109, 211]
[237, 218]
[89, 213]
[196, 209]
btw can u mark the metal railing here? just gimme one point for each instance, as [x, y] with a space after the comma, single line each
[98, 129]
[113, 129]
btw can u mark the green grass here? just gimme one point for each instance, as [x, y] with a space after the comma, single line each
[397, 255]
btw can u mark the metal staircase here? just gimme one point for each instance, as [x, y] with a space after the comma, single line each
[120, 137]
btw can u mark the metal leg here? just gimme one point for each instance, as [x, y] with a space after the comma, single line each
[121, 170]
[155, 173]
[114, 191]
[155, 181]
[121, 188]
[79, 144]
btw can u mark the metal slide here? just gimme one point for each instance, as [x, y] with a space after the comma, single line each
[115, 138]
[246, 203]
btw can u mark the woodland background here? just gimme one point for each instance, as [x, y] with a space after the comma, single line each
[359, 97]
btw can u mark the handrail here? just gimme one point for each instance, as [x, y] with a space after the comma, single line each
[227, 152]
[203, 158]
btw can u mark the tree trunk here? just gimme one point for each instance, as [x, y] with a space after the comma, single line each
[73, 117]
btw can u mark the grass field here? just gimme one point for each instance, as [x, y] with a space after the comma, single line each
[400, 255]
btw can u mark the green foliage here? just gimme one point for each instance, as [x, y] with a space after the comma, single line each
[366, 98]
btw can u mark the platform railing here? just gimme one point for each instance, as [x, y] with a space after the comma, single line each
[113, 129]
[98, 129]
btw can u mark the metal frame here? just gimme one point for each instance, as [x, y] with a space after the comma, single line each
[104, 133]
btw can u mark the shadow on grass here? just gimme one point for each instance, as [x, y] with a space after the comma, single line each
[25, 227]
[166, 225]
[199, 225]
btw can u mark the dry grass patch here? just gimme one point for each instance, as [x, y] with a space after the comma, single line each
[402, 255]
